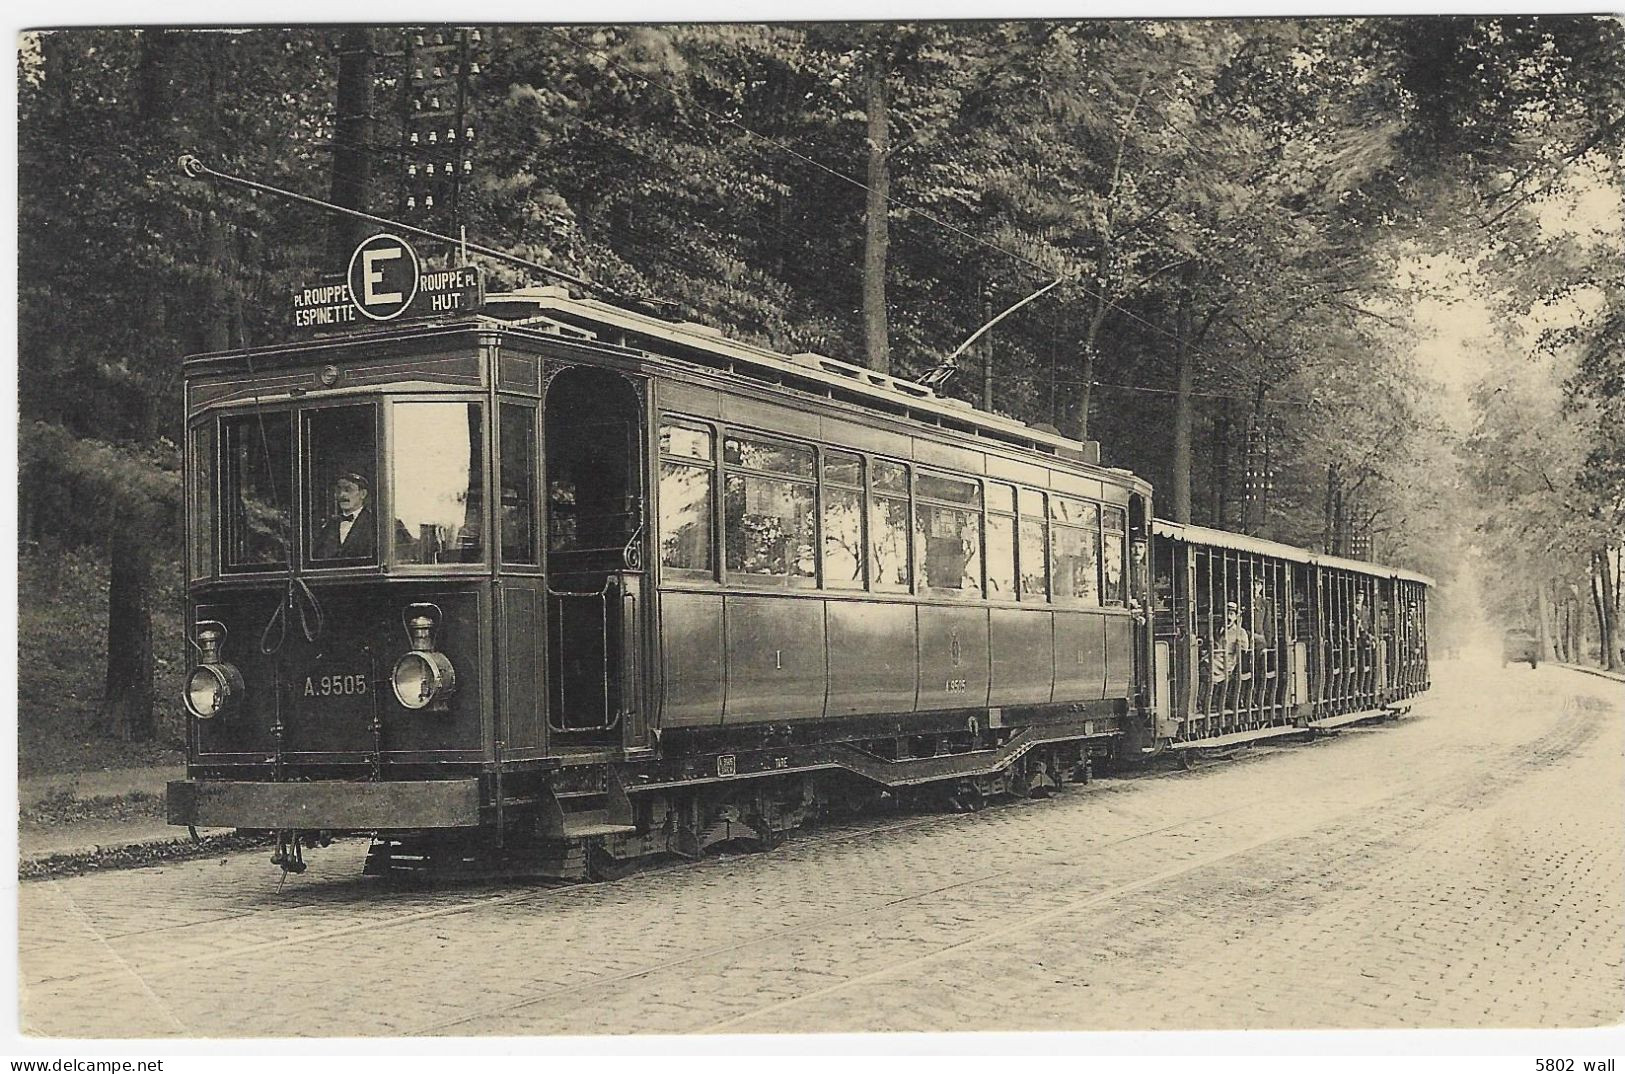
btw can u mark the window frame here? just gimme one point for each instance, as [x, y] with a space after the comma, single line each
[1023, 521]
[713, 468]
[387, 475]
[862, 491]
[203, 498]
[255, 415]
[1072, 600]
[500, 553]
[1120, 598]
[872, 495]
[1013, 516]
[375, 498]
[726, 469]
[976, 509]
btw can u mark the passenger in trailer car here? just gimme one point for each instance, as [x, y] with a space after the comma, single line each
[1231, 644]
[1263, 617]
[349, 534]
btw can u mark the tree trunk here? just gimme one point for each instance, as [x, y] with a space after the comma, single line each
[1565, 630]
[1185, 348]
[127, 699]
[1543, 613]
[216, 320]
[127, 696]
[876, 337]
[352, 126]
[1604, 588]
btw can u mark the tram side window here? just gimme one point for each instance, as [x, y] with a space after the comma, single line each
[687, 472]
[843, 520]
[341, 509]
[1034, 546]
[1075, 550]
[517, 510]
[1111, 556]
[888, 527]
[1001, 542]
[947, 533]
[439, 494]
[203, 479]
[768, 524]
[256, 489]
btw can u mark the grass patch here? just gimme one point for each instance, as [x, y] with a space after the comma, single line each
[58, 866]
[62, 661]
[62, 807]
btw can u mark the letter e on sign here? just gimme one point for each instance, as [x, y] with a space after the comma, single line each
[383, 277]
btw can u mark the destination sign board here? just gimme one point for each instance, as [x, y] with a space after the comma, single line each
[386, 282]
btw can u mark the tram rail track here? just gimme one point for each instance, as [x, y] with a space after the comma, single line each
[1456, 784]
[542, 889]
[1005, 903]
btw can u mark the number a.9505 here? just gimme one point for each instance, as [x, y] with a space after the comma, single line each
[335, 685]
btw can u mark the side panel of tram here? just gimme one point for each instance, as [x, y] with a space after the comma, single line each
[922, 597]
[1253, 639]
[810, 568]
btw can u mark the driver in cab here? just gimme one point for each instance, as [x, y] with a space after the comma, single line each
[351, 533]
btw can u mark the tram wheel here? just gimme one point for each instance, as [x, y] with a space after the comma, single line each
[767, 837]
[966, 799]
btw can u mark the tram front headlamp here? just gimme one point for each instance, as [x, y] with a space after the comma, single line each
[214, 686]
[424, 678]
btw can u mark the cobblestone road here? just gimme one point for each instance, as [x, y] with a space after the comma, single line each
[1462, 867]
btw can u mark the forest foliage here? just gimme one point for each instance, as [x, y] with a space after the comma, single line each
[1227, 203]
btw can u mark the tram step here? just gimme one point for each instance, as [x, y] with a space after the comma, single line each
[590, 823]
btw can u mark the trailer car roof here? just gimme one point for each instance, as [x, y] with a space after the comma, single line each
[1240, 542]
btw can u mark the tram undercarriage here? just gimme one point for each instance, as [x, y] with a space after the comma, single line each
[599, 821]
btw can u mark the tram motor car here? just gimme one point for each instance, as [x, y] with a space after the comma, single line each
[570, 585]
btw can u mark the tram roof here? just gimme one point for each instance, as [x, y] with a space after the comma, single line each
[1240, 542]
[555, 304]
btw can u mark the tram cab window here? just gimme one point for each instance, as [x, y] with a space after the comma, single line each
[438, 489]
[341, 498]
[1001, 542]
[517, 476]
[256, 490]
[948, 535]
[1111, 556]
[1075, 550]
[768, 522]
[687, 454]
[844, 559]
[888, 527]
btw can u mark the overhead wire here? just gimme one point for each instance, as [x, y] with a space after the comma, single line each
[907, 215]
[890, 199]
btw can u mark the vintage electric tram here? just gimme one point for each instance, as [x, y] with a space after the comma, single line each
[567, 585]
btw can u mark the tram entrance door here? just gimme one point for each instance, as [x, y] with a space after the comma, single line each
[595, 533]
